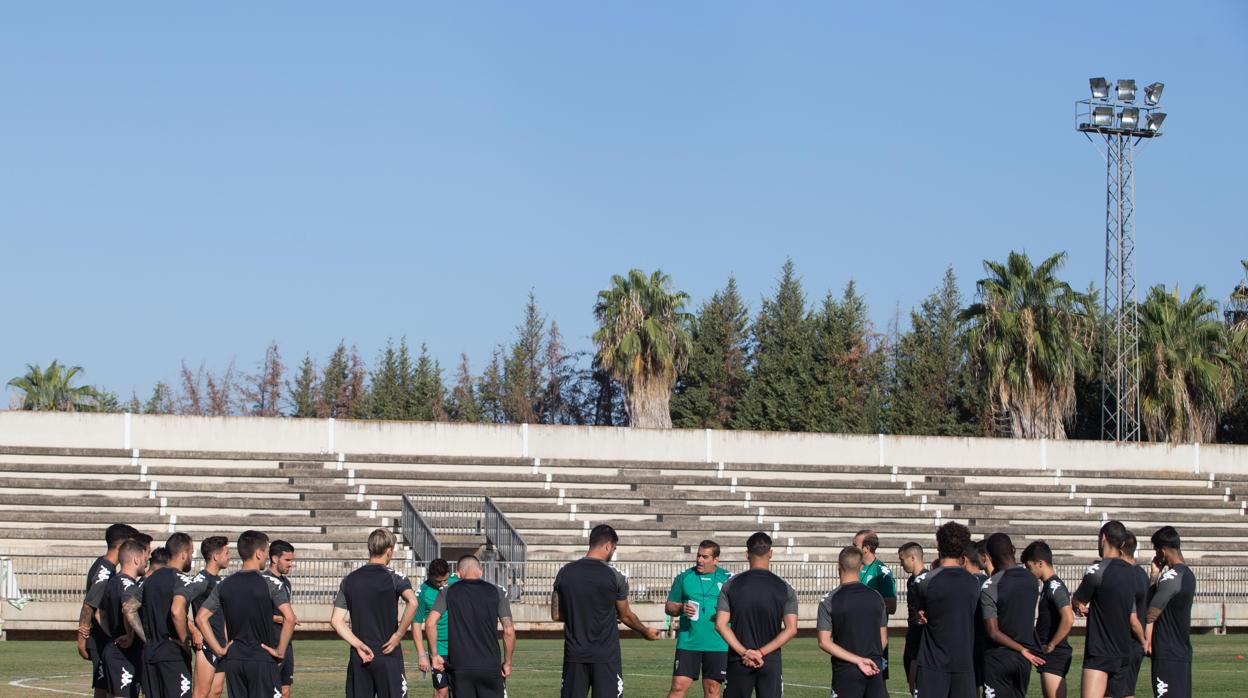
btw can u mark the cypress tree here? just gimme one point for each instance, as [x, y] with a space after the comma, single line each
[848, 372]
[781, 379]
[303, 394]
[463, 405]
[707, 393]
[932, 391]
[522, 369]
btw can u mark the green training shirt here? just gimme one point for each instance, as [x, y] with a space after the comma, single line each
[699, 635]
[427, 596]
[878, 576]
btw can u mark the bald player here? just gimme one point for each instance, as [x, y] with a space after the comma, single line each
[475, 609]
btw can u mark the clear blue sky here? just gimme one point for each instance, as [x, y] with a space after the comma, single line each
[191, 183]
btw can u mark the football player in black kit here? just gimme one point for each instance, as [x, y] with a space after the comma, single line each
[756, 615]
[474, 609]
[1054, 619]
[948, 596]
[1008, 606]
[1108, 587]
[852, 626]
[1125, 688]
[252, 657]
[369, 596]
[281, 562]
[590, 598]
[974, 560]
[1168, 635]
[911, 557]
[208, 680]
[148, 611]
[89, 634]
[119, 651]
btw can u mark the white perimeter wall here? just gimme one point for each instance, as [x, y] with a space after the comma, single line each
[327, 436]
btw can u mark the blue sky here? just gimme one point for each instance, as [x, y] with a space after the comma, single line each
[193, 183]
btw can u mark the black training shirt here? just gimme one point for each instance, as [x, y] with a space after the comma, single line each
[1109, 586]
[1053, 598]
[1142, 585]
[284, 580]
[155, 595]
[1176, 587]
[1009, 597]
[757, 602]
[106, 597]
[196, 591]
[588, 590]
[101, 570]
[473, 608]
[948, 596]
[371, 595]
[247, 599]
[854, 614]
[912, 602]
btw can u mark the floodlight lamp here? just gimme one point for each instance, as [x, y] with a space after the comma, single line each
[1129, 119]
[1126, 90]
[1103, 117]
[1100, 87]
[1152, 94]
[1153, 122]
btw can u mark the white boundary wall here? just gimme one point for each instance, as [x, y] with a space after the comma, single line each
[328, 436]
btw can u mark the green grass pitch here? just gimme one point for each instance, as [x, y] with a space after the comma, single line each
[48, 669]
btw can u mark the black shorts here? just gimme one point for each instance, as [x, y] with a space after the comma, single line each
[259, 679]
[848, 681]
[1056, 662]
[744, 682]
[884, 673]
[1006, 674]
[213, 660]
[1127, 681]
[914, 636]
[933, 683]
[122, 671]
[440, 679]
[695, 664]
[98, 680]
[1116, 667]
[383, 677]
[1172, 678]
[288, 666]
[470, 683]
[605, 679]
[170, 679]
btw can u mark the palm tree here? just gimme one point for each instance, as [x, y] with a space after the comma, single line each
[53, 389]
[1186, 372]
[1029, 339]
[644, 342]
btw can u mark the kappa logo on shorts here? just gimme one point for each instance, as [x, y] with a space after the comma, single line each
[1162, 687]
[185, 685]
[990, 692]
[277, 693]
[834, 693]
[101, 675]
[619, 686]
[126, 677]
[404, 685]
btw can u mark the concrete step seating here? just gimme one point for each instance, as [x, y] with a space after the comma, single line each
[60, 499]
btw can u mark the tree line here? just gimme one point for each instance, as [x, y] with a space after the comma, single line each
[1022, 359]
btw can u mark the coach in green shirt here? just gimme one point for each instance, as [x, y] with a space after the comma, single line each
[876, 575]
[438, 576]
[699, 648]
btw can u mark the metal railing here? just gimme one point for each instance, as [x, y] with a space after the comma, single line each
[315, 581]
[505, 538]
[463, 515]
[419, 534]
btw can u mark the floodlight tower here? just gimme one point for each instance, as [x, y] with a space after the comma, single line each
[1112, 118]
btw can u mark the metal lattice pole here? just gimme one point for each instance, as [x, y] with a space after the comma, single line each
[1120, 419]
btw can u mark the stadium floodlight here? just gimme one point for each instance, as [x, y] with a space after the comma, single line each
[1152, 94]
[1153, 122]
[1100, 87]
[1129, 119]
[1126, 90]
[1103, 116]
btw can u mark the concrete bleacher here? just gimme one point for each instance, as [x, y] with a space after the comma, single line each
[60, 488]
